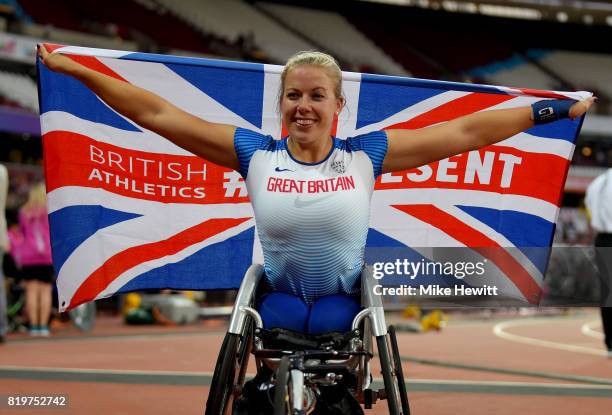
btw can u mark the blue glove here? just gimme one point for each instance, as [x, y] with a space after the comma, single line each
[550, 110]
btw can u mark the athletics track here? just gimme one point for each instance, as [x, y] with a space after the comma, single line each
[504, 364]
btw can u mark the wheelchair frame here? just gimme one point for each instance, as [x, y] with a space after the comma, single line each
[296, 373]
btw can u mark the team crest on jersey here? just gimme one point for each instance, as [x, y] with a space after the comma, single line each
[338, 166]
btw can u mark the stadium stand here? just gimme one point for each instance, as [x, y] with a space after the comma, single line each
[515, 72]
[337, 35]
[587, 71]
[142, 21]
[19, 89]
[233, 19]
[72, 37]
[426, 51]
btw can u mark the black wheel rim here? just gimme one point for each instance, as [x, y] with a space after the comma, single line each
[386, 364]
[223, 377]
[230, 370]
[399, 371]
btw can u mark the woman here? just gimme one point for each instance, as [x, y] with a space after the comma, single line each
[30, 247]
[4, 246]
[598, 199]
[311, 191]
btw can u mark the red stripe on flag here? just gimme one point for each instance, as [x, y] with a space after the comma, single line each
[284, 132]
[73, 159]
[479, 242]
[511, 171]
[94, 63]
[91, 62]
[52, 46]
[334, 125]
[115, 266]
[541, 93]
[456, 108]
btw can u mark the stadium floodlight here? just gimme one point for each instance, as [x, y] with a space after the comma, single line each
[508, 11]
[562, 11]
[450, 6]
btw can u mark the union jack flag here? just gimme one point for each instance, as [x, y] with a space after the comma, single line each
[129, 210]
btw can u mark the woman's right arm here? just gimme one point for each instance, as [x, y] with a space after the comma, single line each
[211, 141]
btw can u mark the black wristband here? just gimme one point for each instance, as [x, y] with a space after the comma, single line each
[551, 110]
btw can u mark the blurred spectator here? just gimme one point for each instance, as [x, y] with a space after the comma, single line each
[22, 177]
[3, 248]
[135, 313]
[248, 48]
[572, 227]
[599, 204]
[31, 249]
[246, 42]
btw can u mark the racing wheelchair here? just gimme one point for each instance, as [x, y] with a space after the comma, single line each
[301, 367]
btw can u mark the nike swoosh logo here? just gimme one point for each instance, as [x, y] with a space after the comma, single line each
[279, 169]
[300, 203]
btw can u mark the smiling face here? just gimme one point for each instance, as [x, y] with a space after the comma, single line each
[309, 103]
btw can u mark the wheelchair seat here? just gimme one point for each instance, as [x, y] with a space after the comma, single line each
[302, 366]
[278, 338]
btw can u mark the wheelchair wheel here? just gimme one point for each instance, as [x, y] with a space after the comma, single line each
[281, 392]
[84, 316]
[388, 372]
[15, 306]
[399, 372]
[230, 371]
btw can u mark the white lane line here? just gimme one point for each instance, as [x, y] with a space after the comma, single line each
[587, 329]
[507, 383]
[103, 371]
[499, 331]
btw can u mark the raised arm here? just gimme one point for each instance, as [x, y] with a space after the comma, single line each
[413, 148]
[211, 141]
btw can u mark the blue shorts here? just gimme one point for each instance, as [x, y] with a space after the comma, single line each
[332, 313]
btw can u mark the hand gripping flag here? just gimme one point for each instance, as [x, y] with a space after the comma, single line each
[129, 210]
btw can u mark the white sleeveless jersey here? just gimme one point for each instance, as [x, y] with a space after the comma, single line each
[312, 218]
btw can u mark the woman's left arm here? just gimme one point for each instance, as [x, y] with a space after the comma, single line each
[408, 149]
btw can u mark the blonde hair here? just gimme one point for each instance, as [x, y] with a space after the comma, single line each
[318, 59]
[37, 196]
